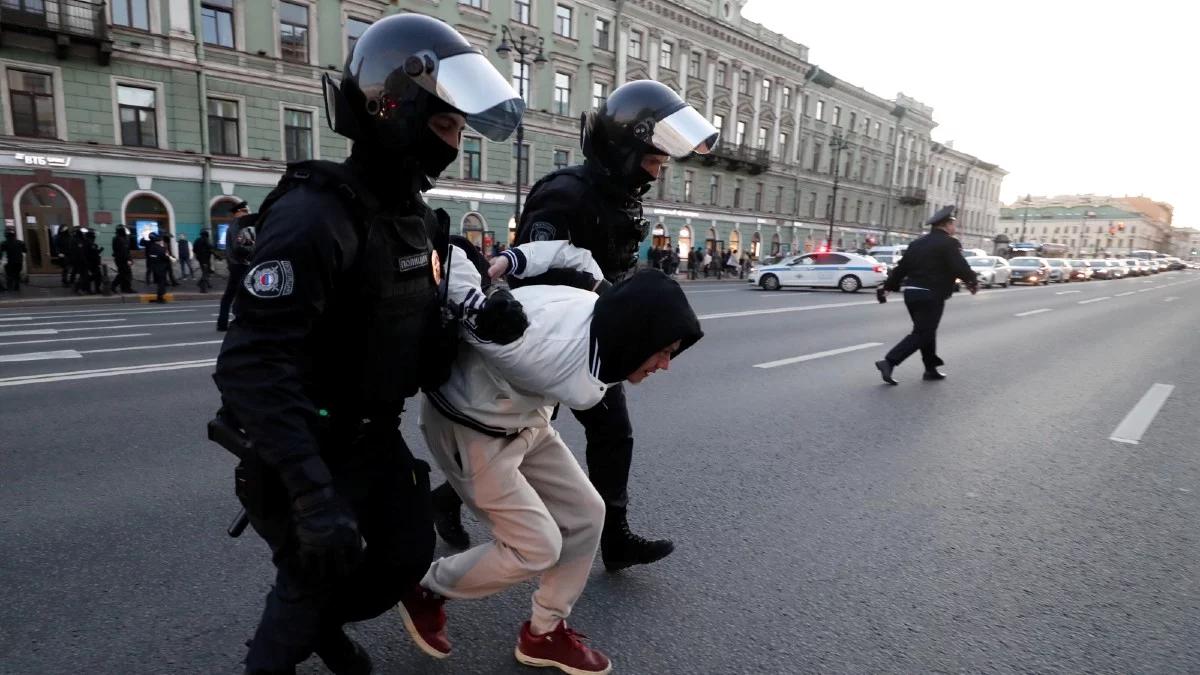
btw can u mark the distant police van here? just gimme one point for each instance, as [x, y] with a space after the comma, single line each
[847, 271]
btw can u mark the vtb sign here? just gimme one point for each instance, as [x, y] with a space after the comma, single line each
[43, 160]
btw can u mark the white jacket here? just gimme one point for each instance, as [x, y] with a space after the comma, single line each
[502, 389]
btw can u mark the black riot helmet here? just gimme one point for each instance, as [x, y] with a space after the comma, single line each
[640, 118]
[406, 68]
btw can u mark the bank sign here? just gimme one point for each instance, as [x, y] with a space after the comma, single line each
[43, 160]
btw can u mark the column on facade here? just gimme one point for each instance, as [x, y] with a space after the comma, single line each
[709, 90]
[777, 91]
[654, 44]
[622, 53]
[798, 125]
[736, 67]
[757, 103]
[685, 63]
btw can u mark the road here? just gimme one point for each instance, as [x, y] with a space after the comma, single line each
[824, 521]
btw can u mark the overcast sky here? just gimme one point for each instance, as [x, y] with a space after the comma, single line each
[1067, 96]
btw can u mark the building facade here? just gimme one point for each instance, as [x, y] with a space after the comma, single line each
[967, 182]
[1186, 243]
[1091, 225]
[163, 113]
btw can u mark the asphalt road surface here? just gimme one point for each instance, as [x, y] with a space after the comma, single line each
[1035, 512]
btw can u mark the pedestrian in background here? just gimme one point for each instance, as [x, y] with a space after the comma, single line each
[123, 261]
[62, 245]
[158, 264]
[75, 257]
[185, 258]
[203, 250]
[14, 259]
[168, 244]
[927, 274]
[93, 276]
[239, 248]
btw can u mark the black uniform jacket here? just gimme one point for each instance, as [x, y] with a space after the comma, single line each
[583, 206]
[932, 262]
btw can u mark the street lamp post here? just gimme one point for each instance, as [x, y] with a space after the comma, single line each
[520, 47]
[1025, 216]
[837, 144]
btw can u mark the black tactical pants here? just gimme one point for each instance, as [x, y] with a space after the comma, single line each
[12, 275]
[925, 308]
[389, 492]
[609, 451]
[237, 273]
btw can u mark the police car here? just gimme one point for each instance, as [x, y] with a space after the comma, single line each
[847, 271]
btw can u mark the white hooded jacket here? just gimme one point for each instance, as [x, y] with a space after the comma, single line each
[501, 389]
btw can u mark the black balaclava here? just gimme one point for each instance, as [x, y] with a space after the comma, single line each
[397, 170]
[637, 318]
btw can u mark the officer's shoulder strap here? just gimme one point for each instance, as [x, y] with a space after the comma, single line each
[323, 176]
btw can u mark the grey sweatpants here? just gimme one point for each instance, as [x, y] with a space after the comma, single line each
[543, 511]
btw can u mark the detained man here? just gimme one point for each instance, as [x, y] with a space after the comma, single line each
[488, 428]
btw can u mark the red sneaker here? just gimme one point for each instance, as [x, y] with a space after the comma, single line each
[424, 615]
[561, 648]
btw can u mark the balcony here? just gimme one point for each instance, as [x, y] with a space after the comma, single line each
[66, 21]
[753, 160]
[912, 196]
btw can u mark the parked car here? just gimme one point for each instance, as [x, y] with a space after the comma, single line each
[991, 270]
[975, 253]
[1100, 269]
[1117, 269]
[1148, 267]
[1080, 270]
[1174, 264]
[1136, 269]
[1060, 271]
[847, 271]
[888, 260]
[1029, 270]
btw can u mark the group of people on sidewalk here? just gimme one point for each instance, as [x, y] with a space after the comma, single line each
[356, 297]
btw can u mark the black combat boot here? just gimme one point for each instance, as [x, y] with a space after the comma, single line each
[343, 656]
[620, 548]
[447, 518]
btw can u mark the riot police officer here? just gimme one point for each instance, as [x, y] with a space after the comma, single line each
[598, 206]
[338, 322]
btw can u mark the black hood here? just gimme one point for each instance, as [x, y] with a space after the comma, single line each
[638, 317]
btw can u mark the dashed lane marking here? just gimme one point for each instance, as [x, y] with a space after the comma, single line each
[42, 331]
[41, 356]
[817, 355]
[136, 325]
[104, 372]
[73, 339]
[1067, 292]
[1034, 311]
[1121, 295]
[1170, 299]
[782, 310]
[151, 347]
[1088, 302]
[69, 323]
[1135, 424]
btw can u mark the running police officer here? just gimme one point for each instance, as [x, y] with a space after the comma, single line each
[598, 206]
[338, 323]
[239, 240]
[927, 274]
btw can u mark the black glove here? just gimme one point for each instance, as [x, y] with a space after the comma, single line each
[502, 319]
[328, 544]
[881, 294]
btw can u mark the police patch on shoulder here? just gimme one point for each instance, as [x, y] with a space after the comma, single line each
[542, 231]
[271, 279]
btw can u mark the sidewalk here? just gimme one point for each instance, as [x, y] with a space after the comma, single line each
[47, 289]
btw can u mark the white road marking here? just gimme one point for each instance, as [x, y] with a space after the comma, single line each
[724, 290]
[818, 355]
[136, 325]
[43, 331]
[74, 339]
[1170, 299]
[1131, 428]
[153, 347]
[104, 372]
[1034, 311]
[1121, 295]
[101, 311]
[69, 323]
[41, 356]
[16, 318]
[1143, 290]
[781, 310]
[1067, 292]
[89, 316]
[1088, 302]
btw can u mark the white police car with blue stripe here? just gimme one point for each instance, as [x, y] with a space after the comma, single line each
[847, 271]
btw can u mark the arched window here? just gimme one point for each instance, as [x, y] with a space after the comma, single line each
[44, 211]
[685, 240]
[472, 229]
[755, 245]
[659, 239]
[775, 244]
[735, 241]
[145, 214]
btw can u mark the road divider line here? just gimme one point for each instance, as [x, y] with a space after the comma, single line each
[16, 318]
[1088, 302]
[69, 323]
[153, 347]
[1135, 424]
[1034, 311]
[1121, 295]
[96, 314]
[40, 331]
[41, 356]
[100, 311]
[1067, 292]
[1170, 299]
[136, 325]
[818, 355]
[782, 310]
[44, 378]
[73, 339]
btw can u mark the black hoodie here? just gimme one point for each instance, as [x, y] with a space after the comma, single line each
[637, 318]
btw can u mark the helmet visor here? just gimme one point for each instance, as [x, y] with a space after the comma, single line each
[472, 85]
[683, 132]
